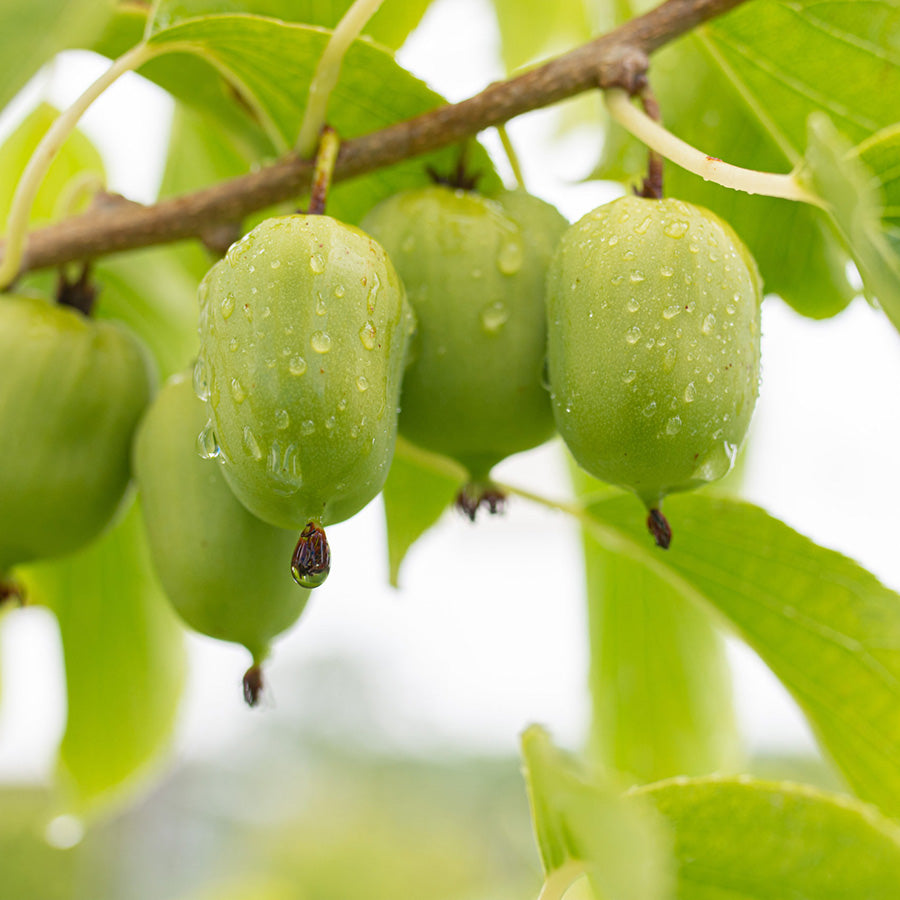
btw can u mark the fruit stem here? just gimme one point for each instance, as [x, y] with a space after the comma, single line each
[45, 153]
[79, 294]
[709, 168]
[512, 156]
[311, 561]
[326, 157]
[328, 71]
[652, 187]
[253, 684]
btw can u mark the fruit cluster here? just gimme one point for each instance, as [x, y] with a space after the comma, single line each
[475, 326]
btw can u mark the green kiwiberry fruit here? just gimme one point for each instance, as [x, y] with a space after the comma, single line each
[474, 270]
[221, 567]
[71, 393]
[653, 355]
[303, 333]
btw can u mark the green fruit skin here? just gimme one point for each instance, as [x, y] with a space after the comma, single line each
[653, 354]
[71, 394]
[304, 327]
[474, 270]
[226, 572]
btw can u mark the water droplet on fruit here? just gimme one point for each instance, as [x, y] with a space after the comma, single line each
[321, 308]
[251, 445]
[297, 365]
[643, 226]
[342, 404]
[510, 257]
[207, 443]
[330, 422]
[613, 240]
[628, 255]
[233, 345]
[339, 291]
[629, 376]
[367, 335]
[616, 279]
[709, 324]
[311, 561]
[362, 383]
[676, 228]
[673, 426]
[670, 358]
[320, 341]
[282, 419]
[227, 305]
[275, 264]
[633, 335]
[636, 276]
[317, 263]
[632, 305]
[201, 379]
[650, 409]
[690, 392]
[248, 313]
[237, 391]
[307, 427]
[671, 311]
[494, 316]
[666, 271]
[372, 296]
[710, 377]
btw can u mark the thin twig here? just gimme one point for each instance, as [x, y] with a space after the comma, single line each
[615, 59]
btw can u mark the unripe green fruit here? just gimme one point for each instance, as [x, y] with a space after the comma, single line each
[303, 334]
[653, 354]
[71, 393]
[222, 568]
[474, 270]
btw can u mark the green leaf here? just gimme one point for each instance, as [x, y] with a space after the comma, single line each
[826, 627]
[390, 26]
[791, 58]
[880, 154]
[738, 839]
[33, 31]
[75, 174]
[660, 683]
[419, 487]
[532, 29]
[269, 64]
[584, 826]
[841, 177]
[124, 661]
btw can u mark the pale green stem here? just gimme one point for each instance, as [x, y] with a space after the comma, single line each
[327, 72]
[81, 188]
[45, 153]
[560, 880]
[709, 168]
[512, 156]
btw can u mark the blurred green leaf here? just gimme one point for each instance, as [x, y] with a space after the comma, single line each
[840, 176]
[623, 847]
[415, 496]
[390, 26]
[532, 29]
[880, 154]
[825, 626]
[33, 31]
[660, 683]
[124, 661]
[73, 177]
[270, 65]
[739, 839]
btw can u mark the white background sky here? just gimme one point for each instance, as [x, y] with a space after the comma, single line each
[478, 642]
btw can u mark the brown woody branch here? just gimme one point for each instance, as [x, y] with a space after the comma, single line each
[617, 59]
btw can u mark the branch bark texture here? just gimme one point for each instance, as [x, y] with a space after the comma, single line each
[616, 59]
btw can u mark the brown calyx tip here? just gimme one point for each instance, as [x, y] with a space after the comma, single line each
[11, 593]
[311, 561]
[253, 685]
[658, 526]
[476, 495]
[79, 293]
